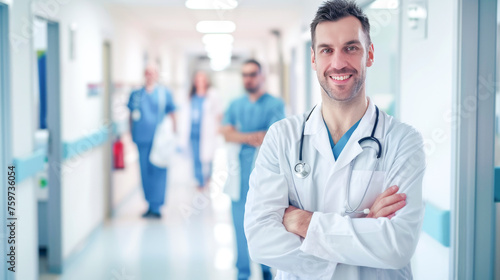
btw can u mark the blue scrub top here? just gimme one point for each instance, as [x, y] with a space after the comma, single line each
[196, 115]
[247, 116]
[147, 103]
[337, 148]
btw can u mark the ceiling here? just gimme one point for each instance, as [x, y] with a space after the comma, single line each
[254, 19]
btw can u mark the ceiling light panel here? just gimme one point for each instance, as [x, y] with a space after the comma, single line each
[221, 26]
[211, 4]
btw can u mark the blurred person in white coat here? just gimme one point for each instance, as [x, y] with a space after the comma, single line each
[337, 193]
[201, 121]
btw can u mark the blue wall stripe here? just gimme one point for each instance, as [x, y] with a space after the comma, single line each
[30, 165]
[27, 167]
[84, 144]
[436, 221]
[437, 224]
[497, 184]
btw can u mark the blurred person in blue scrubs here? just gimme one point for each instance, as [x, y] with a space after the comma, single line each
[246, 122]
[205, 115]
[144, 118]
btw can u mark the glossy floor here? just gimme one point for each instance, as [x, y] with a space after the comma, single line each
[193, 240]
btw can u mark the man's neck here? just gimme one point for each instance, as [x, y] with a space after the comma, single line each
[255, 96]
[341, 116]
[150, 87]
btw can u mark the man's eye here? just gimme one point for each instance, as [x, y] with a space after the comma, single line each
[351, 48]
[326, 51]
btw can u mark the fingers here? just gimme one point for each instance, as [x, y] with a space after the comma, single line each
[390, 191]
[390, 210]
[387, 203]
[255, 139]
[260, 137]
[376, 205]
[390, 200]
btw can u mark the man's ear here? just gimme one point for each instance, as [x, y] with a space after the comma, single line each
[313, 59]
[371, 51]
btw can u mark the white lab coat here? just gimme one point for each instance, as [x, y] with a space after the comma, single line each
[232, 187]
[335, 247]
[211, 111]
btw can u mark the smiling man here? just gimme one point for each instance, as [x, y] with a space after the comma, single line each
[337, 193]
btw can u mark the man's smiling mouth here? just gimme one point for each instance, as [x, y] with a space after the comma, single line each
[341, 77]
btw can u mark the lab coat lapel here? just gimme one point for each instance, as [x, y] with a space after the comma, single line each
[316, 130]
[352, 149]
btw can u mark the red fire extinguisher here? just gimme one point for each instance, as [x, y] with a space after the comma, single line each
[119, 161]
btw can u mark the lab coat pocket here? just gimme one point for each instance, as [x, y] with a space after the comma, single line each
[301, 193]
[362, 181]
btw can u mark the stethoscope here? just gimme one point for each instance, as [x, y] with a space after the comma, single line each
[302, 169]
[136, 103]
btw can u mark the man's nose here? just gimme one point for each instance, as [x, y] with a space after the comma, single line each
[338, 60]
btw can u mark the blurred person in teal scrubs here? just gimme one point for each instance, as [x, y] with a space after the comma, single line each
[245, 123]
[145, 116]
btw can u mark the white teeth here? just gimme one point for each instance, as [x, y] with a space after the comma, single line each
[340, 78]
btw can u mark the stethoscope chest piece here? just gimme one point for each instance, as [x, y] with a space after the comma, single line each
[136, 114]
[302, 170]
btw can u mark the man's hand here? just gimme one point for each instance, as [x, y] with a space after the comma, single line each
[297, 221]
[387, 203]
[232, 135]
[255, 139]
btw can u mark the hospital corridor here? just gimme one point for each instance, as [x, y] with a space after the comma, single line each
[249, 139]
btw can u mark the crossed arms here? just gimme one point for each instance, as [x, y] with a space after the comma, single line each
[309, 244]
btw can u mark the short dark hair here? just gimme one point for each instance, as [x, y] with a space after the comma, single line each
[248, 61]
[333, 10]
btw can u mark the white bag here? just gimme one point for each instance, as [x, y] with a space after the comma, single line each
[164, 141]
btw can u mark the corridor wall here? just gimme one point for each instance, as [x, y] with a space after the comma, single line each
[22, 129]
[427, 65]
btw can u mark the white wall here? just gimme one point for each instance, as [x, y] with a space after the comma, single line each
[295, 37]
[426, 98]
[83, 181]
[22, 127]
[129, 45]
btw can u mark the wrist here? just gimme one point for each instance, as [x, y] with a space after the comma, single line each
[303, 226]
[246, 138]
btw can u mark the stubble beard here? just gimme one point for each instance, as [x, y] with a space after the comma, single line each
[359, 83]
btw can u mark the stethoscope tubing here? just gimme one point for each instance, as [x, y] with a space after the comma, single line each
[303, 173]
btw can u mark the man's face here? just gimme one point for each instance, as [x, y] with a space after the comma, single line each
[151, 75]
[340, 58]
[252, 78]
